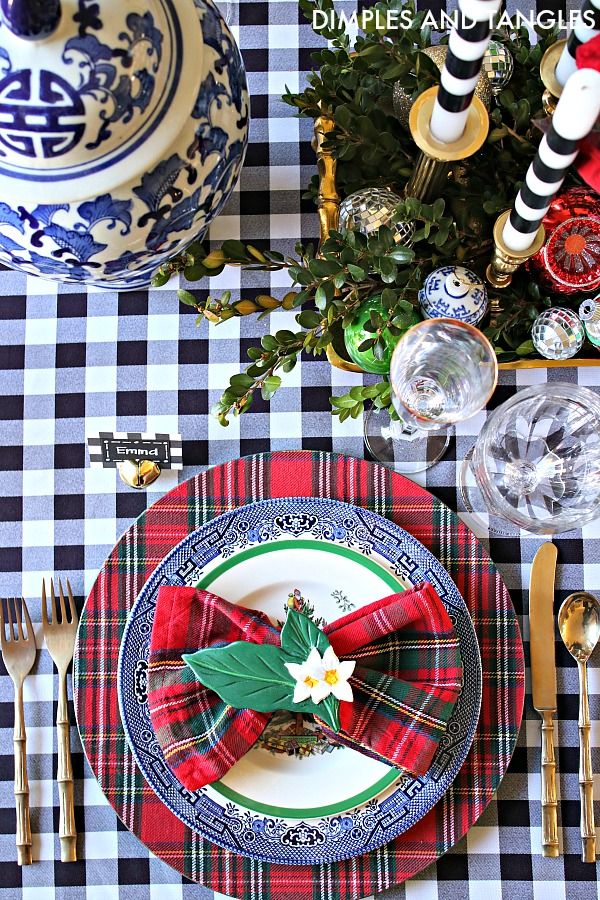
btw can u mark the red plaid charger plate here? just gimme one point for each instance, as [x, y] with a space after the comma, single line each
[226, 487]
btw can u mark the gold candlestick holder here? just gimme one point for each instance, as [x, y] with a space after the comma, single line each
[435, 160]
[504, 262]
[548, 76]
[328, 201]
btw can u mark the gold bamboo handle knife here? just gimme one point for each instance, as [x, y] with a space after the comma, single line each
[543, 682]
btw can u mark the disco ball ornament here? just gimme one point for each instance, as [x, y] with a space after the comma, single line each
[558, 333]
[569, 261]
[402, 101]
[355, 334]
[498, 65]
[589, 313]
[454, 292]
[370, 209]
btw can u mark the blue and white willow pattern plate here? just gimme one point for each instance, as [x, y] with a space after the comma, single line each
[255, 530]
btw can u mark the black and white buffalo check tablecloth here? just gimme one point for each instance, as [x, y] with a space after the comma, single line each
[74, 362]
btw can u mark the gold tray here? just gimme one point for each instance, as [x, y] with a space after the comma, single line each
[328, 204]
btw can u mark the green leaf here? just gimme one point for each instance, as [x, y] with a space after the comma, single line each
[254, 676]
[274, 255]
[388, 298]
[270, 385]
[300, 275]
[300, 634]
[308, 318]
[525, 349]
[160, 278]
[187, 298]
[245, 675]
[321, 268]
[235, 250]
[194, 272]
[241, 380]
[496, 134]
[284, 336]
[438, 208]
[357, 273]
[402, 254]
[329, 711]
[343, 402]
[268, 342]
[321, 297]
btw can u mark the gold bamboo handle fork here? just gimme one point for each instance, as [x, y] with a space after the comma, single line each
[59, 633]
[18, 653]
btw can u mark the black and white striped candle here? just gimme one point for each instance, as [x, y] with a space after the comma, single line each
[586, 27]
[468, 42]
[573, 119]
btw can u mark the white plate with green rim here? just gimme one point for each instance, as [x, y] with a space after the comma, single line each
[263, 577]
[321, 803]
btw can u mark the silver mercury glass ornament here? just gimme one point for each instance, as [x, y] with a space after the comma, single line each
[370, 209]
[402, 103]
[589, 313]
[558, 333]
[498, 65]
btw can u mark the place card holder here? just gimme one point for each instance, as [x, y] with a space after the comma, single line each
[139, 457]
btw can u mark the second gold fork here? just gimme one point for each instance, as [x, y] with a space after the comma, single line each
[60, 640]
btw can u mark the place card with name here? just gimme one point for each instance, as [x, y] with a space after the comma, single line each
[109, 448]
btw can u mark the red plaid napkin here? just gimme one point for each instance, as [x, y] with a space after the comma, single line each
[407, 679]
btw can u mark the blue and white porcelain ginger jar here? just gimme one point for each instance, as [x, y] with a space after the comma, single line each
[454, 292]
[123, 129]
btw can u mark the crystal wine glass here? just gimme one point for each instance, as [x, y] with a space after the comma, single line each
[536, 462]
[442, 371]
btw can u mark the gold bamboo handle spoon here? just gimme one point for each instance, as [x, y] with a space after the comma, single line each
[579, 625]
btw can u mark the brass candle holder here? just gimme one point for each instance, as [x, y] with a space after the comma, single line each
[548, 76]
[328, 201]
[435, 160]
[504, 262]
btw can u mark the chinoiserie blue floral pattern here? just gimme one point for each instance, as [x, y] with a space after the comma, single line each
[454, 292]
[265, 837]
[119, 92]
[119, 238]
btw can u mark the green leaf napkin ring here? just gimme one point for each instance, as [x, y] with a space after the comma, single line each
[302, 675]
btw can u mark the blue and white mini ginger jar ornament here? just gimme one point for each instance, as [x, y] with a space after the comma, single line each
[454, 292]
[123, 129]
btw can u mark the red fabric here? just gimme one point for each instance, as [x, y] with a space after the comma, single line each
[406, 682]
[587, 56]
[588, 160]
[587, 163]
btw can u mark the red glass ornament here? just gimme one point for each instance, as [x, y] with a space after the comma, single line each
[569, 262]
[578, 201]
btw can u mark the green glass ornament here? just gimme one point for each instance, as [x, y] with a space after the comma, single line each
[355, 334]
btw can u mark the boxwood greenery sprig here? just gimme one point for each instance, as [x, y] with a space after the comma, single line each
[354, 87]
[329, 289]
